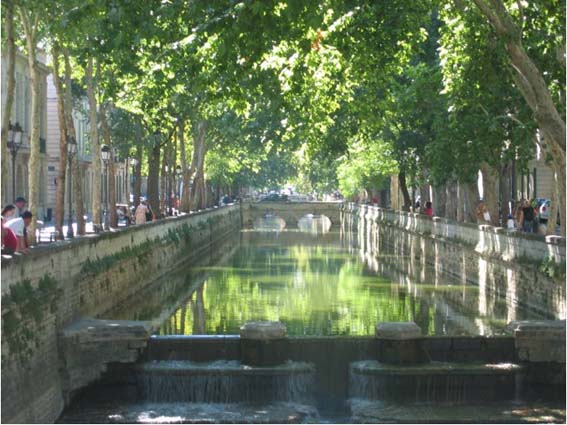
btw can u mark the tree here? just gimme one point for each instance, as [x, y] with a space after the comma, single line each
[9, 89]
[529, 79]
[30, 18]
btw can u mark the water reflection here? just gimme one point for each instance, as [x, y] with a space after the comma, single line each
[314, 224]
[318, 287]
[269, 223]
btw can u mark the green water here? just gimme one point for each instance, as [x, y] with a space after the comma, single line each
[317, 286]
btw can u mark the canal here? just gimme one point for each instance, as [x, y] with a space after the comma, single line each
[317, 284]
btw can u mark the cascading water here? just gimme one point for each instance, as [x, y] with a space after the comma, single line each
[454, 383]
[224, 382]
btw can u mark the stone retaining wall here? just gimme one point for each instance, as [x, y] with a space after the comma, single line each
[57, 284]
[527, 270]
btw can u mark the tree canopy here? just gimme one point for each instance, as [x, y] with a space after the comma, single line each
[327, 94]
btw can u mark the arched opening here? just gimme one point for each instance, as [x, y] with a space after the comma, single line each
[314, 223]
[269, 223]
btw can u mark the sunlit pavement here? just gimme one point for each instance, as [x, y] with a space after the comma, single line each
[47, 232]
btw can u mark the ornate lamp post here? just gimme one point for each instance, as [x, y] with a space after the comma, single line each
[14, 144]
[167, 191]
[71, 151]
[105, 155]
[179, 175]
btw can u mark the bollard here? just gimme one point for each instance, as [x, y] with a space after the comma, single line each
[262, 343]
[400, 343]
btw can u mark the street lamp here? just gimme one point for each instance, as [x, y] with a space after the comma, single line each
[71, 151]
[134, 163]
[14, 144]
[178, 174]
[167, 190]
[105, 155]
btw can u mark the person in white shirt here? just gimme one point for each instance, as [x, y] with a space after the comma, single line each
[19, 226]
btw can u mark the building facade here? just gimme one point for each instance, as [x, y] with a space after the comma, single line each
[81, 122]
[21, 115]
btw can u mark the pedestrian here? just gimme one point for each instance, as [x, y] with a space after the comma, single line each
[8, 212]
[519, 214]
[428, 209]
[482, 213]
[140, 214]
[9, 239]
[20, 203]
[529, 216]
[20, 227]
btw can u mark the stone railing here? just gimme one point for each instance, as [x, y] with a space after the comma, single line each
[485, 239]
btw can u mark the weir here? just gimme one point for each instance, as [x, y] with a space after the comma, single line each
[329, 364]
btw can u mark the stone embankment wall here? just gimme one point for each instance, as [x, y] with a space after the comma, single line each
[56, 285]
[528, 270]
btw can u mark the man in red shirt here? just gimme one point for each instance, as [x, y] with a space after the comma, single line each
[9, 240]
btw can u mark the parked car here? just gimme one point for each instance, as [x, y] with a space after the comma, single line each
[274, 197]
[544, 206]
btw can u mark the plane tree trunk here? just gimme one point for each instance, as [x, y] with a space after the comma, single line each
[9, 89]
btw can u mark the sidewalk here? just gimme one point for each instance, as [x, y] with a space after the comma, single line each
[46, 233]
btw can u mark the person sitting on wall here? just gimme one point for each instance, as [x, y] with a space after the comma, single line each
[428, 209]
[20, 227]
[9, 240]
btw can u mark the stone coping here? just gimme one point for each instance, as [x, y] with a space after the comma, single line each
[263, 330]
[398, 330]
[373, 367]
[236, 337]
[42, 249]
[538, 325]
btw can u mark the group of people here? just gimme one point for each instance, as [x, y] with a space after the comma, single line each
[427, 210]
[15, 223]
[526, 216]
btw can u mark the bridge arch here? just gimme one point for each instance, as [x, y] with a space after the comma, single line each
[314, 224]
[291, 212]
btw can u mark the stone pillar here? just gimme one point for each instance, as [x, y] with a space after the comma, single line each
[262, 343]
[400, 343]
[539, 341]
[540, 346]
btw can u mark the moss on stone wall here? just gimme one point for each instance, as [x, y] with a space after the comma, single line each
[141, 251]
[25, 301]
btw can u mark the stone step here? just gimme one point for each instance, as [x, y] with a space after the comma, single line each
[368, 411]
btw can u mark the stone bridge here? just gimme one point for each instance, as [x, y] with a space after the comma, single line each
[290, 212]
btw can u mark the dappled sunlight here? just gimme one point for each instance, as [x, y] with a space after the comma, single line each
[511, 294]
[482, 286]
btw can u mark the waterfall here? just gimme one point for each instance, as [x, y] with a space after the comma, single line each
[224, 382]
[434, 382]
